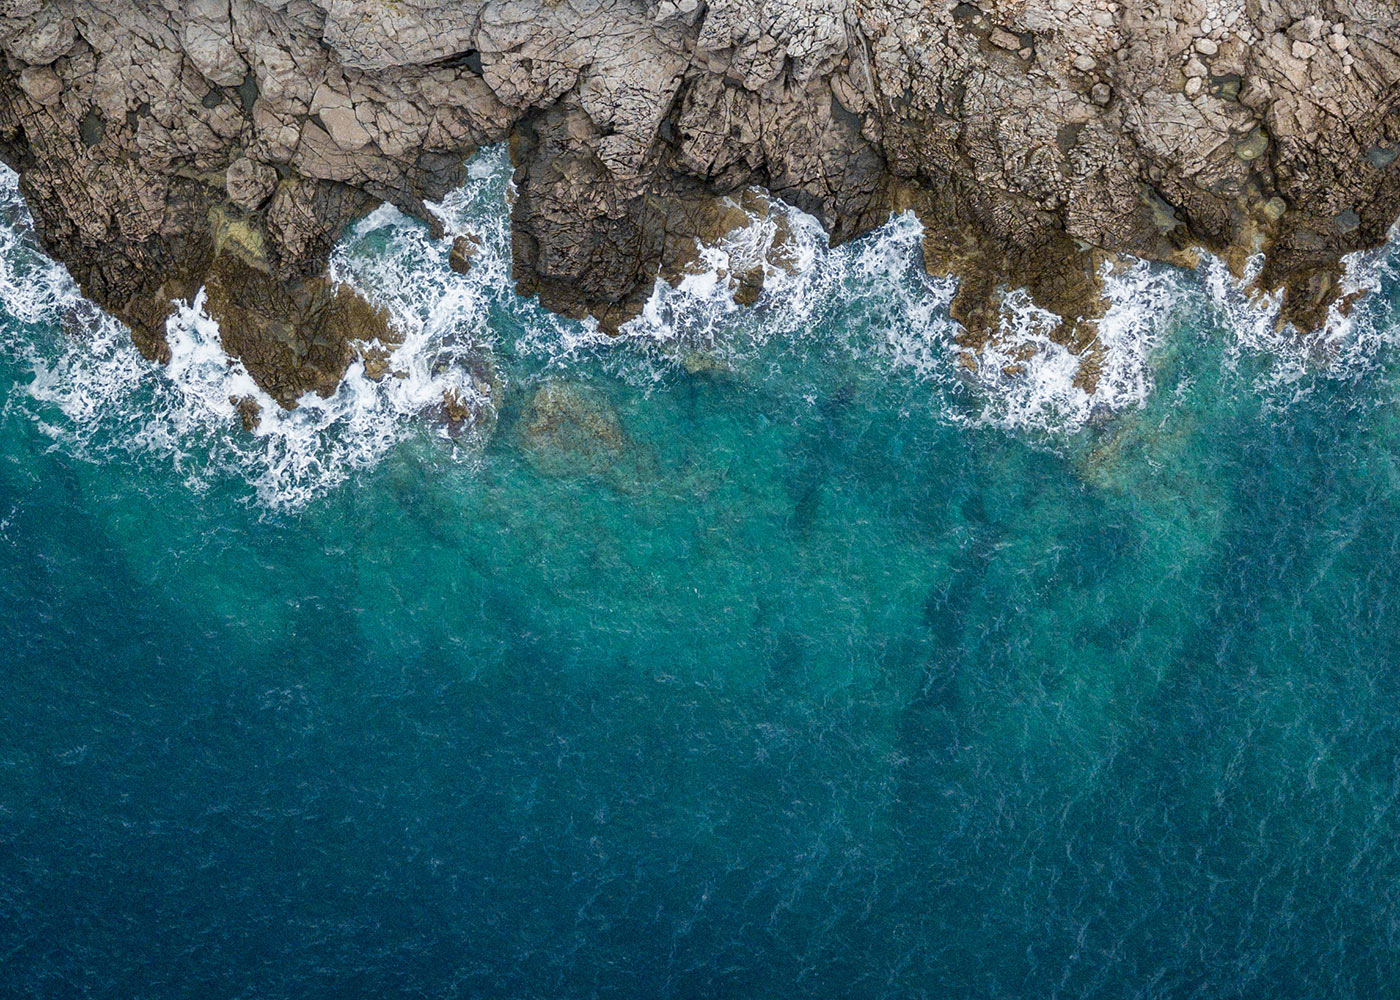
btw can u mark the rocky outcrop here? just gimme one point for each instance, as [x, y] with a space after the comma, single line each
[166, 145]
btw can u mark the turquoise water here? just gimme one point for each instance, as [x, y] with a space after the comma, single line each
[803, 663]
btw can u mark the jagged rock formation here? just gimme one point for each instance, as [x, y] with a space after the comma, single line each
[167, 144]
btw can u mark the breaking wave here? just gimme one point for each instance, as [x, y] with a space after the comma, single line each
[100, 398]
[96, 396]
[1350, 344]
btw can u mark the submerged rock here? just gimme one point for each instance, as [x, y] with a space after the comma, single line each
[698, 361]
[571, 429]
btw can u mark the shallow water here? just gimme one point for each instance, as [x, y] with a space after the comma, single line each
[828, 668]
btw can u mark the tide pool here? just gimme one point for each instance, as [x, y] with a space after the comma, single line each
[802, 661]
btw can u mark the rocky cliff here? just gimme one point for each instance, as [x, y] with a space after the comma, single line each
[166, 145]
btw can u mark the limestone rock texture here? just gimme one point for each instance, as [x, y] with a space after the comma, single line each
[168, 145]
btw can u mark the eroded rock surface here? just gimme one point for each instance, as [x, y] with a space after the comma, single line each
[169, 144]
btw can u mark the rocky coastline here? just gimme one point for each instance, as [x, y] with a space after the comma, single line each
[169, 145]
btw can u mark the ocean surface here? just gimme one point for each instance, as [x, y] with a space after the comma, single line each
[782, 652]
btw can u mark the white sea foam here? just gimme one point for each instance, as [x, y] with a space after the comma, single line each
[1348, 346]
[699, 313]
[99, 398]
[875, 294]
[1029, 381]
[868, 293]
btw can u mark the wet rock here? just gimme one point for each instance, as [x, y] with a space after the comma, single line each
[249, 411]
[472, 406]
[1346, 220]
[749, 287]
[1310, 295]
[1381, 157]
[1274, 208]
[376, 361]
[464, 248]
[1252, 147]
[457, 408]
[293, 338]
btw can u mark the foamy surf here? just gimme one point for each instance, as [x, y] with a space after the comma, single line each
[1349, 345]
[1029, 381]
[102, 400]
[871, 297]
[875, 295]
[701, 312]
[111, 404]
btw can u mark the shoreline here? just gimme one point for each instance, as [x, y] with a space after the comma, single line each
[228, 150]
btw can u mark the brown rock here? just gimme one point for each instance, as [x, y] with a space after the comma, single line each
[464, 248]
[249, 411]
[457, 408]
[376, 362]
[293, 337]
[750, 287]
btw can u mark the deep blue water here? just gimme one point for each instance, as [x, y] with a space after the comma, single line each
[826, 668]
